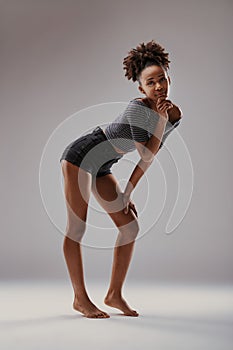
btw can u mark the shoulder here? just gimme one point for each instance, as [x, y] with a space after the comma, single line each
[136, 113]
[136, 105]
[138, 100]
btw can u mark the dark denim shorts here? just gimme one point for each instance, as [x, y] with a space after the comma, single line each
[93, 153]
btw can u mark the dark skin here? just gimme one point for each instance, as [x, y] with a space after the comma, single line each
[155, 85]
[78, 185]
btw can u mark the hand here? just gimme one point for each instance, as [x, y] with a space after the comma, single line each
[163, 106]
[128, 204]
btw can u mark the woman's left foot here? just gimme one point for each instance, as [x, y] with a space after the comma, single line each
[118, 302]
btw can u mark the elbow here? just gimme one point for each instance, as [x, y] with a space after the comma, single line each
[148, 157]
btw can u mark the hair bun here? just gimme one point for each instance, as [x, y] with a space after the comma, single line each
[138, 57]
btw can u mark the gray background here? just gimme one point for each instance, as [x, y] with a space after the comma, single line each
[58, 57]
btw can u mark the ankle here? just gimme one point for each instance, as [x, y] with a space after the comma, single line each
[81, 295]
[113, 292]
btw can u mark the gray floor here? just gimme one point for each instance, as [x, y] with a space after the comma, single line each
[39, 315]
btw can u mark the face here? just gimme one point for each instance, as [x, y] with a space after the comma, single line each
[154, 82]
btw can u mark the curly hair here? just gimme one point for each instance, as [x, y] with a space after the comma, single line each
[143, 56]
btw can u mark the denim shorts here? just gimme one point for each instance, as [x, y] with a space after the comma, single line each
[92, 152]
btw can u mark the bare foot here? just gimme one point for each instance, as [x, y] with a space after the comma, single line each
[88, 309]
[119, 303]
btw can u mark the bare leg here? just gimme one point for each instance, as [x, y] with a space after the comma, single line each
[122, 257]
[107, 189]
[76, 214]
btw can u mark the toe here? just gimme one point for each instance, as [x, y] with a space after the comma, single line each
[131, 313]
[105, 314]
[135, 313]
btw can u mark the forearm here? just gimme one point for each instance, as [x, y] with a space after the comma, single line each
[151, 147]
[149, 150]
[136, 175]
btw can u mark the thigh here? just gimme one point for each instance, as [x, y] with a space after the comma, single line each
[109, 195]
[77, 150]
[106, 168]
[77, 189]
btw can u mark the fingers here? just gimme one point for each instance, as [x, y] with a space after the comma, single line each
[135, 211]
[164, 105]
[131, 206]
[126, 209]
[126, 201]
[128, 204]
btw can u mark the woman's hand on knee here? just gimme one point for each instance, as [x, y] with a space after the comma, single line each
[128, 203]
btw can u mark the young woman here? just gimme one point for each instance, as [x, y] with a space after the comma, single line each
[86, 166]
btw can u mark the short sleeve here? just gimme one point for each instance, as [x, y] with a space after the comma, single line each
[137, 120]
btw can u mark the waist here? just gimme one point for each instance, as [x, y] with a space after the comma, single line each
[116, 149]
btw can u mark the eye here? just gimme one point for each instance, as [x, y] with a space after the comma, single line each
[150, 82]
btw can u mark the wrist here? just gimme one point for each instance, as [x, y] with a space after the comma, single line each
[163, 119]
[129, 188]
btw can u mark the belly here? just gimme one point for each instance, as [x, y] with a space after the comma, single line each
[116, 149]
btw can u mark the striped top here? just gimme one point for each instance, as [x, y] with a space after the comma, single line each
[136, 123]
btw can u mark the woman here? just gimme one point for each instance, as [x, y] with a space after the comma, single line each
[143, 126]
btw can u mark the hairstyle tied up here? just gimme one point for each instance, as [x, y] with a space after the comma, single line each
[143, 56]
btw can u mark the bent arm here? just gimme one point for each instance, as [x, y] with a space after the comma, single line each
[151, 147]
[147, 151]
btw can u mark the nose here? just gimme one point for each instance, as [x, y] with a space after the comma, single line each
[158, 87]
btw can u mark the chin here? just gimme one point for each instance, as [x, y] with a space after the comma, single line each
[164, 95]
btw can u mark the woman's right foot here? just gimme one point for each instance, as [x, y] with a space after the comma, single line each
[88, 309]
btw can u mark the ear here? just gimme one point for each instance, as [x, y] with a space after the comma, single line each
[169, 79]
[141, 89]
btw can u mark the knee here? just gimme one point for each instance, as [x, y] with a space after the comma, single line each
[76, 233]
[135, 229]
[130, 230]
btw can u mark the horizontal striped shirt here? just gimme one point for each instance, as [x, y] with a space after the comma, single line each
[136, 123]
